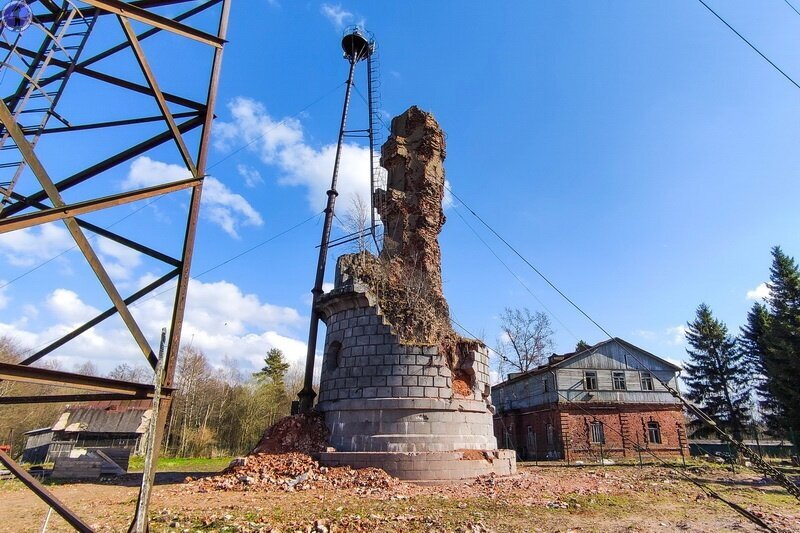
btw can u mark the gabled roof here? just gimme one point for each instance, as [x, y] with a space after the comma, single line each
[556, 361]
[130, 418]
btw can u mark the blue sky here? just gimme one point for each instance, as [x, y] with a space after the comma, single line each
[638, 153]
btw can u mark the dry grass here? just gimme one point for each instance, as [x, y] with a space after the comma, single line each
[616, 498]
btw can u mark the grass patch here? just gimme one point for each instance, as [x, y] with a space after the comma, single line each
[182, 464]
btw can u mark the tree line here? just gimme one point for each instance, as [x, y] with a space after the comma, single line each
[752, 379]
[215, 410]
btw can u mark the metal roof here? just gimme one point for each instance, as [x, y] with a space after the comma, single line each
[88, 420]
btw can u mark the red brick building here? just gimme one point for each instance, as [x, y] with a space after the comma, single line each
[604, 401]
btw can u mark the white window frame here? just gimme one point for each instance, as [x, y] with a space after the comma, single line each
[587, 374]
[646, 381]
[618, 375]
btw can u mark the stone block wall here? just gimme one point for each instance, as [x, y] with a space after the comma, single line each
[379, 395]
[364, 359]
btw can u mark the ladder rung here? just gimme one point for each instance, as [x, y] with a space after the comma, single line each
[10, 165]
[43, 95]
[36, 110]
[11, 146]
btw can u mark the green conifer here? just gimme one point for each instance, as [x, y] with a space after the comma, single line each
[716, 375]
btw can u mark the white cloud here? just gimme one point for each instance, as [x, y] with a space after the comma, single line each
[146, 172]
[337, 15]
[252, 177]
[447, 201]
[221, 205]
[645, 334]
[119, 261]
[68, 307]
[227, 208]
[677, 335]
[221, 320]
[29, 246]
[308, 297]
[281, 143]
[676, 362]
[759, 293]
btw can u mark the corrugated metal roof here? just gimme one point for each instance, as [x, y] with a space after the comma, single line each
[82, 419]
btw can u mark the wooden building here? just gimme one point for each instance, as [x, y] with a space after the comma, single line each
[114, 428]
[604, 401]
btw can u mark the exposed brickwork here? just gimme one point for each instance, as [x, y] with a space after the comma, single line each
[623, 427]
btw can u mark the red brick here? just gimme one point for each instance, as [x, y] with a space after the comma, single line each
[571, 431]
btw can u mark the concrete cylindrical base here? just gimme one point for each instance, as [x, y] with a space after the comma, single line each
[429, 466]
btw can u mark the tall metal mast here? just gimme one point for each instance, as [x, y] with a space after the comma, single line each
[356, 48]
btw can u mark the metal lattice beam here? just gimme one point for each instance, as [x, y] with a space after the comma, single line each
[45, 70]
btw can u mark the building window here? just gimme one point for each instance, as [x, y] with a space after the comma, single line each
[551, 441]
[590, 380]
[597, 435]
[647, 381]
[334, 355]
[531, 441]
[546, 385]
[654, 432]
[619, 380]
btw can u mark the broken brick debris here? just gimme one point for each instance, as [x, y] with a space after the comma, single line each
[293, 472]
[304, 433]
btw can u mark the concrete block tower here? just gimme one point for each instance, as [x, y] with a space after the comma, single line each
[400, 390]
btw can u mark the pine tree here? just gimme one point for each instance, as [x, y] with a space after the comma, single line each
[716, 374]
[752, 343]
[271, 387]
[275, 368]
[782, 346]
[582, 345]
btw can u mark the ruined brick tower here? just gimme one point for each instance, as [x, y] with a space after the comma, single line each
[400, 390]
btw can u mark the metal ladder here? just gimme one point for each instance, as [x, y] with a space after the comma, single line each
[68, 40]
[377, 173]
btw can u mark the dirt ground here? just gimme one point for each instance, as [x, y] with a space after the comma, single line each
[538, 498]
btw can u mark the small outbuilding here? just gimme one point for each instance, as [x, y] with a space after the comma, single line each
[108, 431]
[605, 401]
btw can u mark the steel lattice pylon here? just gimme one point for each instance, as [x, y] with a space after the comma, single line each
[68, 45]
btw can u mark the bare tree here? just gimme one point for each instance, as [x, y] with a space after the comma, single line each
[357, 222]
[526, 340]
[87, 368]
[126, 372]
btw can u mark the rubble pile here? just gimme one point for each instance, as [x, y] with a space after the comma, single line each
[293, 472]
[304, 433]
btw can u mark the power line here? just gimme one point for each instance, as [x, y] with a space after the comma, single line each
[757, 460]
[519, 279]
[709, 491]
[47, 261]
[751, 45]
[233, 258]
[218, 265]
[282, 122]
[228, 156]
[793, 8]
[541, 275]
